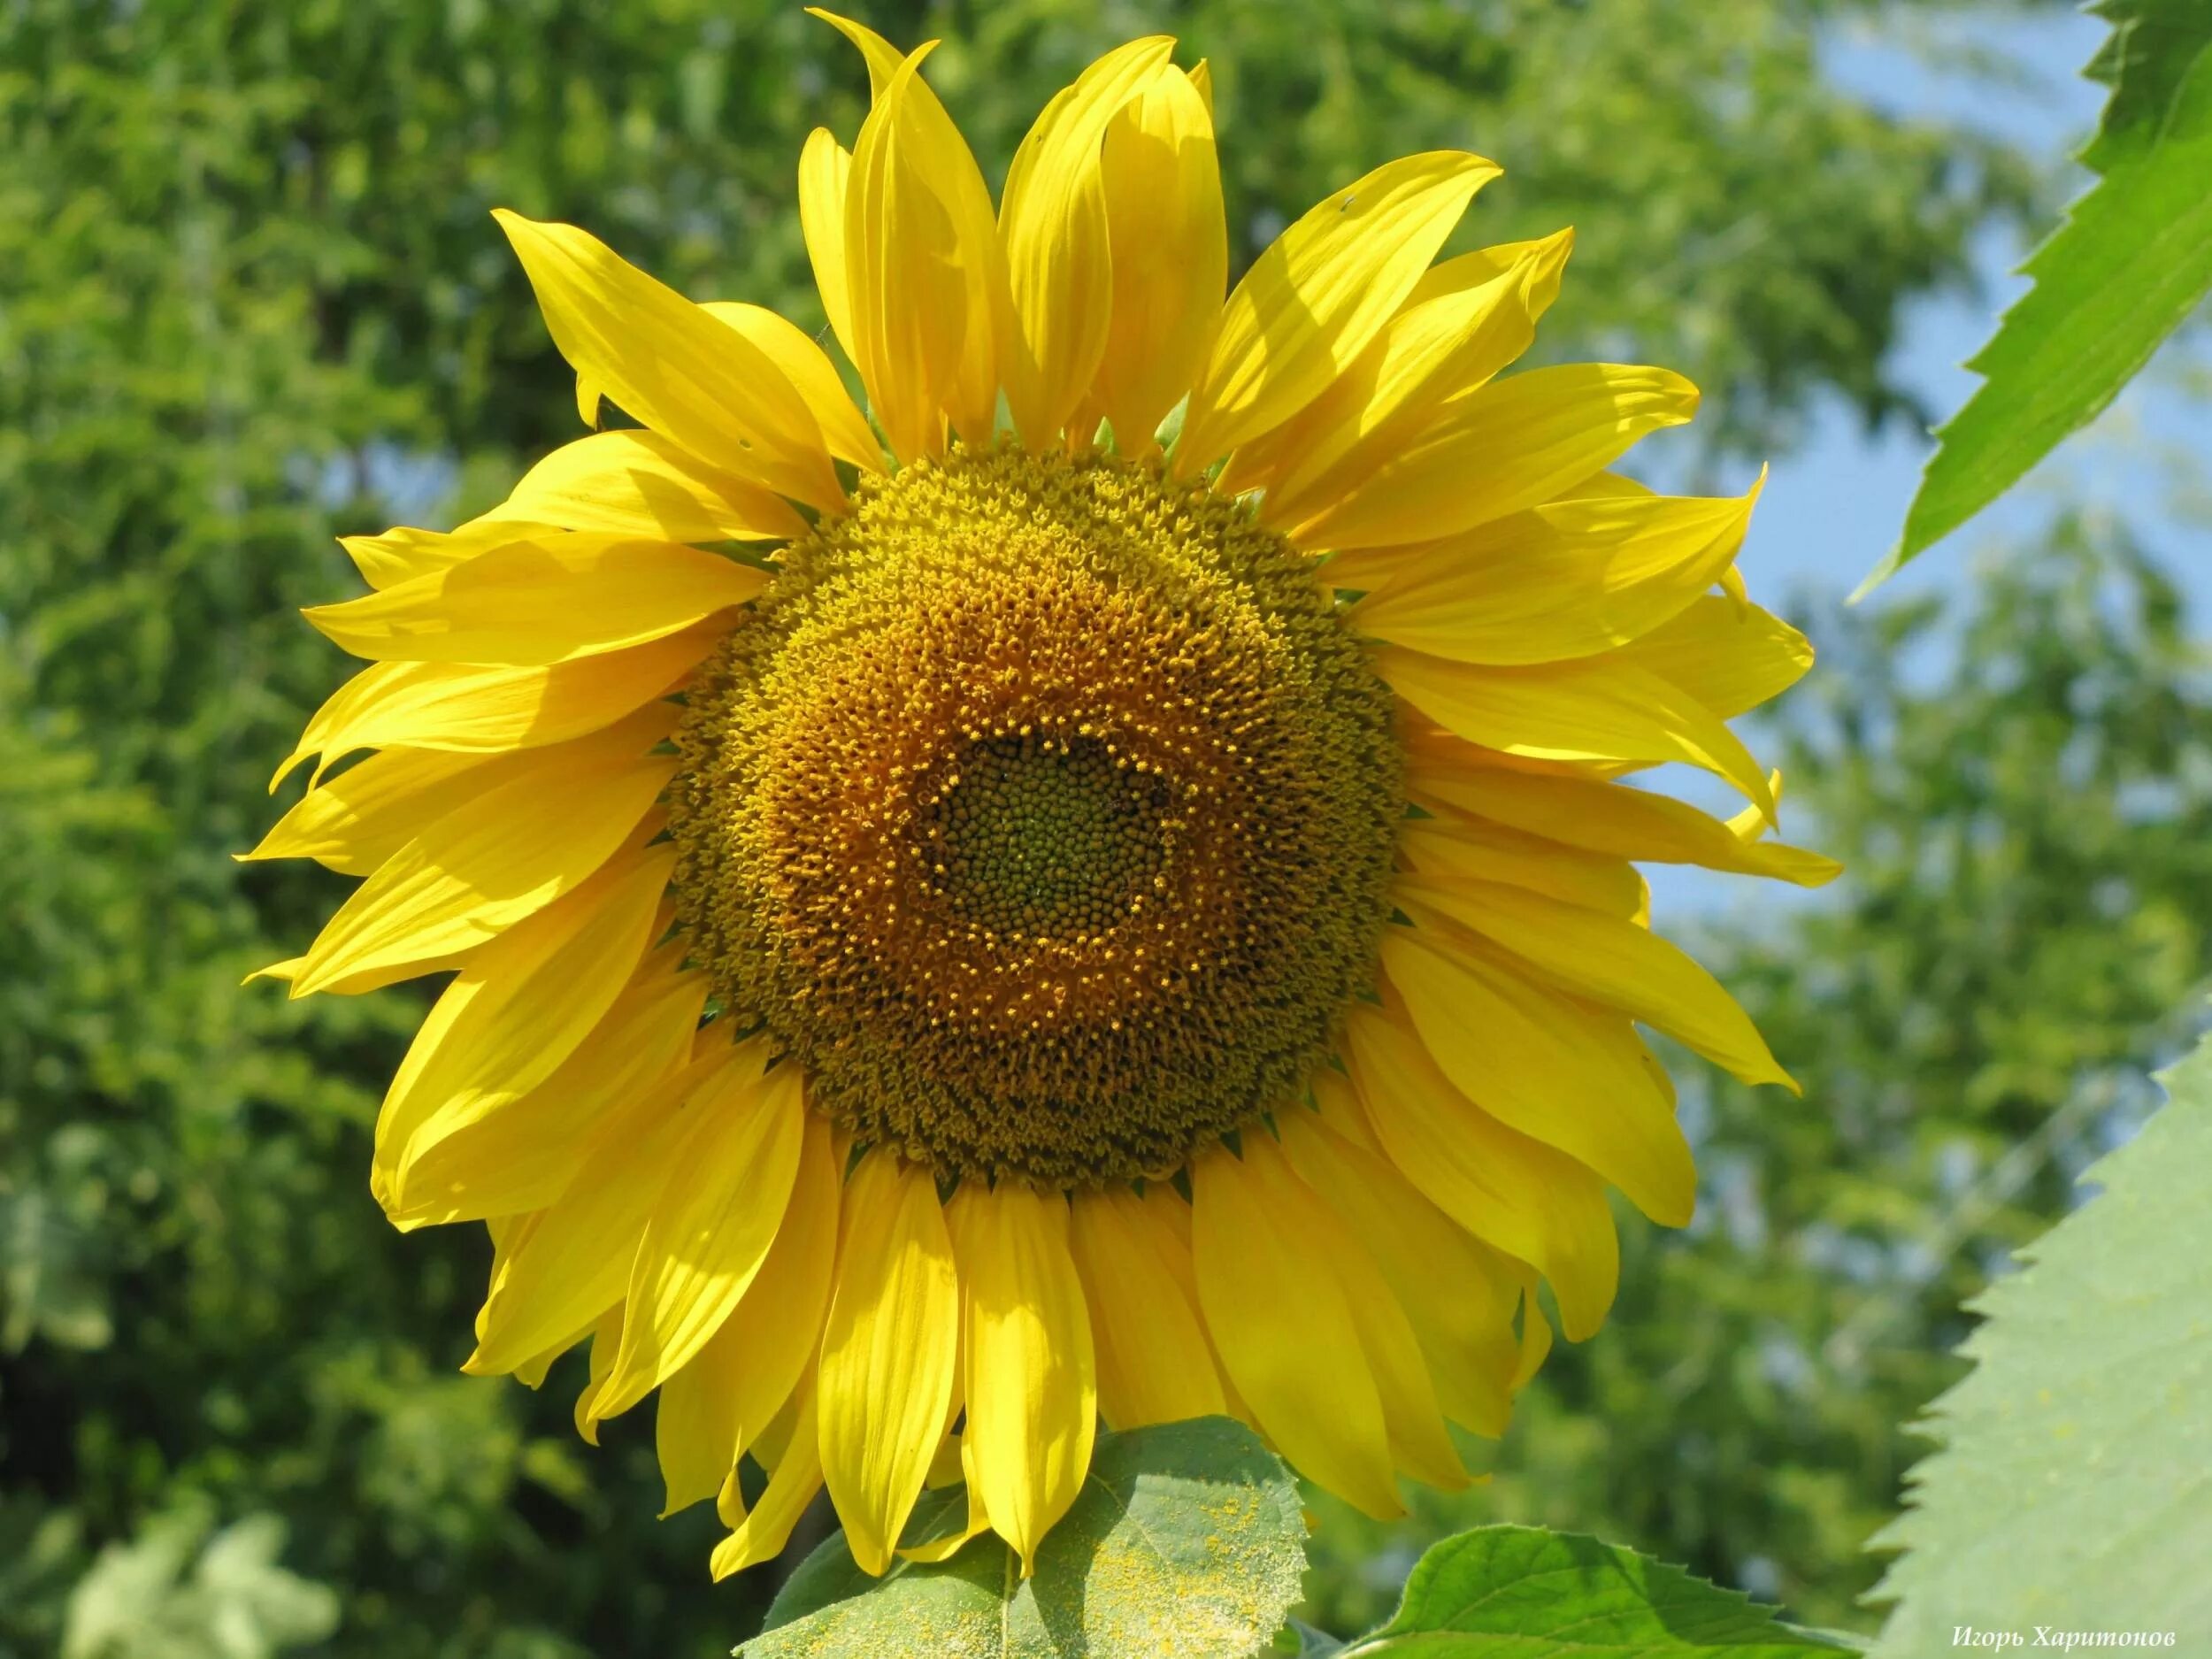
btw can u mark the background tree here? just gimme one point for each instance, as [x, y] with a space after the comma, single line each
[250, 299]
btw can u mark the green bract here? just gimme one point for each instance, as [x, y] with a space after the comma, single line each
[1187, 1543]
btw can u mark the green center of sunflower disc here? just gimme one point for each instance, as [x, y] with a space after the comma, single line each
[1045, 839]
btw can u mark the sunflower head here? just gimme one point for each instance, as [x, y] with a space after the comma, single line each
[1103, 888]
[1043, 809]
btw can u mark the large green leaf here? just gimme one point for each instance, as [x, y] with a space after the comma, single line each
[2073, 1486]
[2129, 264]
[1187, 1543]
[1521, 1592]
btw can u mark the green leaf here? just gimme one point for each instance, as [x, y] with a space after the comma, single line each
[2073, 1486]
[1187, 1542]
[2127, 267]
[1522, 1592]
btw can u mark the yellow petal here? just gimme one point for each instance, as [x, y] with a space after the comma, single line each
[1730, 656]
[507, 1234]
[507, 852]
[689, 377]
[355, 983]
[1336, 1103]
[642, 484]
[1747, 825]
[1598, 709]
[1310, 305]
[947, 1538]
[1464, 321]
[1453, 846]
[761, 1535]
[1030, 1380]
[844, 430]
[576, 1256]
[1168, 1213]
[402, 554]
[1572, 1076]
[908, 298]
[605, 1333]
[771, 1445]
[883, 58]
[924, 270]
[692, 1437]
[737, 1394]
[939, 1536]
[1154, 1362]
[1413, 1422]
[546, 600]
[1541, 259]
[1535, 1338]
[1510, 1190]
[1611, 818]
[470, 709]
[944, 1471]
[532, 1373]
[1609, 961]
[368, 812]
[825, 167]
[1438, 747]
[889, 1352]
[1513, 444]
[1286, 1336]
[1169, 244]
[947, 170]
[1459, 1295]
[522, 1005]
[1566, 580]
[749, 1370]
[522, 1155]
[711, 1232]
[1053, 223]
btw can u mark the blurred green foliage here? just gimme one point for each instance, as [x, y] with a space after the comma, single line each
[168, 1596]
[250, 299]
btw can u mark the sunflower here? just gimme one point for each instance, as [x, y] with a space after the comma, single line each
[1100, 889]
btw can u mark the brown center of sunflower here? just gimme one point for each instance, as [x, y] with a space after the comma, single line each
[1043, 809]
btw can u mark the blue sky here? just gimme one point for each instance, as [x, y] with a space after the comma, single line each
[1832, 506]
